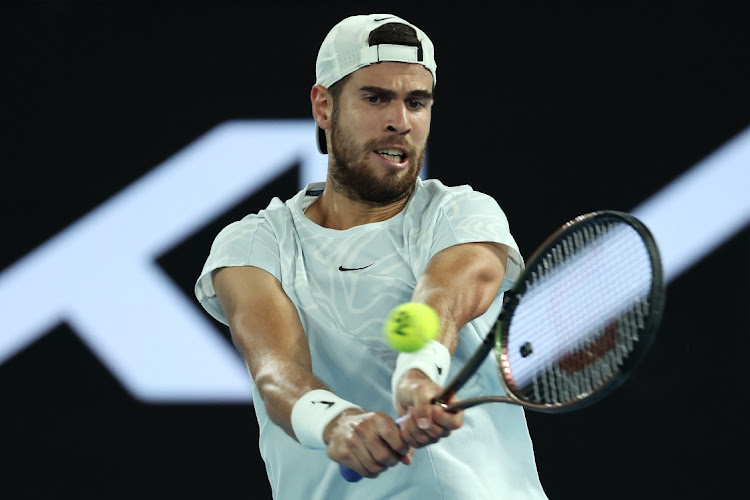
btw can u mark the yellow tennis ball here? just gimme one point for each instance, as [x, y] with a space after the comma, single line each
[410, 326]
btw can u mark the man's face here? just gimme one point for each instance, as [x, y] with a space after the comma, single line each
[379, 130]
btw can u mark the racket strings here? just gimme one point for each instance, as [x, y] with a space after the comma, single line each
[580, 318]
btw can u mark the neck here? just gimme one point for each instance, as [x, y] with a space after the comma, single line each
[333, 210]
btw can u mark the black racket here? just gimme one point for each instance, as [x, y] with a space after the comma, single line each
[580, 318]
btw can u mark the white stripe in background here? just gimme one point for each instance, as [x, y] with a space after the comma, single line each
[702, 208]
[689, 218]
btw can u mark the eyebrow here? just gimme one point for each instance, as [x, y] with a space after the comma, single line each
[418, 94]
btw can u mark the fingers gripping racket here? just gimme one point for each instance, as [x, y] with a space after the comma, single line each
[579, 320]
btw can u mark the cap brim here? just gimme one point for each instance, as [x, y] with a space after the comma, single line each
[321, 139]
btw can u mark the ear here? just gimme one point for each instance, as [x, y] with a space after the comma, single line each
[322, 106]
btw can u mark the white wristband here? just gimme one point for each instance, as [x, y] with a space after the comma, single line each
[434, 360]
[313, 412]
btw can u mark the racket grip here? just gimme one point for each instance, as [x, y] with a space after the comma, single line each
[352, 475]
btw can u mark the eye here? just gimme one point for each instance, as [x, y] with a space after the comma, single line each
[373, 99]
[416, 104]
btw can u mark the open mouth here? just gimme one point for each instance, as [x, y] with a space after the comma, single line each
[393, 155]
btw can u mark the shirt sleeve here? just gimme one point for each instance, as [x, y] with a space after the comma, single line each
[471, 216]
[248, 242]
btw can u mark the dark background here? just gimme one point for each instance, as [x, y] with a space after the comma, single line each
[555, 111]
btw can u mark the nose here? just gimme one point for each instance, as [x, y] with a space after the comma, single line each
[397, 119]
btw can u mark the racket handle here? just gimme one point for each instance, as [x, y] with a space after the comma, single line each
[352, 475]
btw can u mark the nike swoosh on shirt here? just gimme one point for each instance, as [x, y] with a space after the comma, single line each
[342, 268]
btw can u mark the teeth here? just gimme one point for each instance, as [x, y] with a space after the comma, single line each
[391, 152]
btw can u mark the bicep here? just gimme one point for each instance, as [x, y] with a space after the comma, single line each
[469, 266]
[263, 321]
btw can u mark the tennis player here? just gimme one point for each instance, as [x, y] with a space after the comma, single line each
[306, 284]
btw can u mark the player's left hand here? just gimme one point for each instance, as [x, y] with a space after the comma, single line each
[426, 422]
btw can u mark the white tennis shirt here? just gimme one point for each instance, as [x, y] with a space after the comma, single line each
[344, 283]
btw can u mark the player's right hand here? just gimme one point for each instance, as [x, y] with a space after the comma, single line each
[367, 442]
[427, 422]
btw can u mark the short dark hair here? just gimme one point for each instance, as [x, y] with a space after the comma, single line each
[394, 33]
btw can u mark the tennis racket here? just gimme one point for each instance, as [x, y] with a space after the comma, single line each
[579, 320]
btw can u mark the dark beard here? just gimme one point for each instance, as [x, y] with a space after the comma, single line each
[352, 177]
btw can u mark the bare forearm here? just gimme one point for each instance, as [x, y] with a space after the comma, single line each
[280, 384]
[460, 283]
[281, 374]
[267, 332]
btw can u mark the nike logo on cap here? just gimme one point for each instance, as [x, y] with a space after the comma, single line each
[382, 19]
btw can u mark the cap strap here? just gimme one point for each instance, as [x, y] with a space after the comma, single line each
[390, 52]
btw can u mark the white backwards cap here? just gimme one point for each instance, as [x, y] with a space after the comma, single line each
[346, 49]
